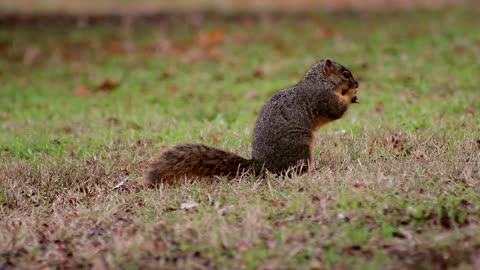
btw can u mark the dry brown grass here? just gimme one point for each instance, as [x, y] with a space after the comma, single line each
[64, 213]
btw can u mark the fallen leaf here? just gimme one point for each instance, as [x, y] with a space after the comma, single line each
[216, 55]
[161, 246]
[122, 183]
[107, 85]
[67, 129]
[242, 246]
[210, 38]
[173, 88]
[372, 145]
[116, 47]
[167, 73]
[188, 205]
[8, 265]
[431, 97]
[259, 72]
[273, 203]
[118, 230]
[250, 94]
[70, 149]
[341, 216]
[324, 32]
[358, 185]
[379, 106]
[81, 91]
[212, 136]
[470, 110]
[112, 121]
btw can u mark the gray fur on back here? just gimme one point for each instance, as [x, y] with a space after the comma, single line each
[283, 130]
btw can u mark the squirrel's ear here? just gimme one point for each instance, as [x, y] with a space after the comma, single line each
[328, 67]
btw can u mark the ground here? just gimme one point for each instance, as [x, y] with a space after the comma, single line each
[85, 106]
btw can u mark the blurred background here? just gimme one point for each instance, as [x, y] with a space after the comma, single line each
[149, 6]
[78, 74]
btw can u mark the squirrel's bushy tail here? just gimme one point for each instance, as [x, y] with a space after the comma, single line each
[195, 160]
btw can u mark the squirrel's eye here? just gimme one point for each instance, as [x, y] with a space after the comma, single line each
[346, 74]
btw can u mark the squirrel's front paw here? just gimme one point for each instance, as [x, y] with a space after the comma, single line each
[352, 95]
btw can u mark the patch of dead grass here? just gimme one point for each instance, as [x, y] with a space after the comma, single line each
[63, 212]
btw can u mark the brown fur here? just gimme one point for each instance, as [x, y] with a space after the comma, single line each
[196, 160]
[283, 137]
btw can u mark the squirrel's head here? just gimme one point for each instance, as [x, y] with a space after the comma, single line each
[338, 75]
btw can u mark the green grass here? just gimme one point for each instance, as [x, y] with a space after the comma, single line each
[397, 184]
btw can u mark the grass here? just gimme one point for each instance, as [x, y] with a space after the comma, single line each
[397, 184]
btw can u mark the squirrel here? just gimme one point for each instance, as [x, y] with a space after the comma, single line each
[283, 136]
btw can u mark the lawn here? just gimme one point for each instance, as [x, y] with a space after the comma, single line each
[84, 107]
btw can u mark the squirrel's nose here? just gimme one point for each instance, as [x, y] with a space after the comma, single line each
[353, 84]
